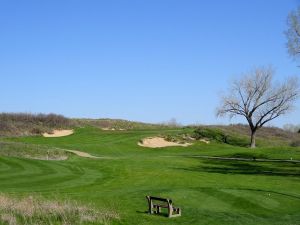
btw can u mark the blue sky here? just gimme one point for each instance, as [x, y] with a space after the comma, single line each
[148, 60]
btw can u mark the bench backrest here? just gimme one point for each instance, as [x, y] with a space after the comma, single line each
[151, 198]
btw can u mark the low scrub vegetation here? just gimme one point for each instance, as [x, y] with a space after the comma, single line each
[117, 124]
[180, 138]
[238, 134]
[18, 124]
[30, 151]
[295, 143]
[35, 210]
[215, 134]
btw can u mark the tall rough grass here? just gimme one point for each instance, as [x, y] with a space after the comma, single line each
[35, 210]
[118, 124]
[31, 151]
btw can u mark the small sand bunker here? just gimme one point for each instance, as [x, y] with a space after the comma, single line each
[58, 133]
[83, 154]
[159, 142]
[111, 129]
[205, 141]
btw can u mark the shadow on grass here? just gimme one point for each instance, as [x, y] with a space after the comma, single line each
[162, 214]
[247, 168]
[212, 189]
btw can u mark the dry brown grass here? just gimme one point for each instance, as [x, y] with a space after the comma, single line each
[35, 210]
[19, 124]
[31, 151]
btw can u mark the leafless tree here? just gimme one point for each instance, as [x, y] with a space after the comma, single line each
[172, 122]
[293, 33]
[257, 98]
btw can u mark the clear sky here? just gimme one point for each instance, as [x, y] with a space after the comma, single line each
[144, 60]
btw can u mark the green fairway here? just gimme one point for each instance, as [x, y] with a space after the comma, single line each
[209, 191]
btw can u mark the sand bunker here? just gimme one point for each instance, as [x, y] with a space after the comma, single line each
[159, 142]
[83, 154]
[205, 141]
[58, 133]
[112, 129]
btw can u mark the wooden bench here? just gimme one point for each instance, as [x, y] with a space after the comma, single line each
[155, 208]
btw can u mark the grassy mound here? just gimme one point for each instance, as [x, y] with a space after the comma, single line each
[118, 124]
[215, 134]
[239, 135]
[30, 151]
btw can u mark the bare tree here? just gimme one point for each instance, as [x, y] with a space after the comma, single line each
[172, 122]
[257, 98]
[293, 33]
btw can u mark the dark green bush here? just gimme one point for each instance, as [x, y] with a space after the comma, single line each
[211, 133]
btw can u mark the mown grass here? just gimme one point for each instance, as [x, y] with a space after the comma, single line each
[208, 191]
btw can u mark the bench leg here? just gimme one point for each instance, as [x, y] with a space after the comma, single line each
[158, 209]
[177, 212]
[150, 204]
[170, 211]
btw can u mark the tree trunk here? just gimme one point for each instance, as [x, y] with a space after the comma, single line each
[253, 135]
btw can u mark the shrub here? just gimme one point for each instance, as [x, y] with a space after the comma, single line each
[295, 143]
[36, 131]
[16, 124]
[213, 134]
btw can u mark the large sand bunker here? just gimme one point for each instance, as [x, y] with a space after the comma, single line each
[159, 142]
[58, 133]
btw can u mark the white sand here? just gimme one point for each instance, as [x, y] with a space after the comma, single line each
[205, 141]
[59, 133]
[83, 154]
[159, 142]
[111, 129]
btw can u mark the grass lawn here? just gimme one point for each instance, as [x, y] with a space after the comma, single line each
[209, 191]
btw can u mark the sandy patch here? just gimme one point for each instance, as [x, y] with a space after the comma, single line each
[82, 154]
[159, 142]
[205, 141]
[111, 129]
[59, 133]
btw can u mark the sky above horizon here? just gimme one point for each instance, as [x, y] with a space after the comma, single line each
[148, 61]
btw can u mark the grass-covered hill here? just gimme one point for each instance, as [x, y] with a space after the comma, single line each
[239, 135]
[27, 124]
[118, 124]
